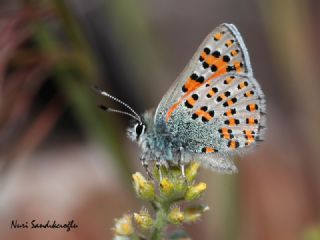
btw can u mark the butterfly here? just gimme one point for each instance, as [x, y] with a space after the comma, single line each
[214, 111]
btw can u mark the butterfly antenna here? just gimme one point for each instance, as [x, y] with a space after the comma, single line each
[107, 109]
[103, 93]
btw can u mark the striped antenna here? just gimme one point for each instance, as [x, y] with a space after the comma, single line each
[133, 114]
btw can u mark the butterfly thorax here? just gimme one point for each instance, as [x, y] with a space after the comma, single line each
[156, 142]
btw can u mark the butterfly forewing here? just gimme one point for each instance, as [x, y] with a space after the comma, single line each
[215, 104]
[221, 52]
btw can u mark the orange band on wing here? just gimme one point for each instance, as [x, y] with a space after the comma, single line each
[220, 64]
[172, 109]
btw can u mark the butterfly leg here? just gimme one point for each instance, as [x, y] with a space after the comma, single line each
[146, 166]
[181, 162]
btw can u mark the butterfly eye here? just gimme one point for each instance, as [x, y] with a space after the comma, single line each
[139, 129]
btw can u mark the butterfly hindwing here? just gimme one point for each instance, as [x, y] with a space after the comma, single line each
[224, 115]
[215, 104]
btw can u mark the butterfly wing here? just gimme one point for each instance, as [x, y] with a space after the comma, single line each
[223, 115]
[222, 51]
[215, 104]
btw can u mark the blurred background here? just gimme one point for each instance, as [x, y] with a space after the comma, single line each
[63, 159]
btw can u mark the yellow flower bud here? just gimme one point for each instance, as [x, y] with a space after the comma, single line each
[180, 187]
[175, 216]
[193, 214]
[166, 187]
[143, 219]
[192, 171]
[123, 226]
[173, 188]
[144, 189]
[194, 192]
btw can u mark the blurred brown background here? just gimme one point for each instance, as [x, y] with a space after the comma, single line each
[63, 159]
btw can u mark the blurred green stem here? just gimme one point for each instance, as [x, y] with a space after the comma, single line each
[160, 222]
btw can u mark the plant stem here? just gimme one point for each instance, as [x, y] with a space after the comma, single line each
[161, 222]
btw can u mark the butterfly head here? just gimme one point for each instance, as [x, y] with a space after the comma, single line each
[136, 131]
[141, 129]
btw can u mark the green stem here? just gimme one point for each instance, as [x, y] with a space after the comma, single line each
[161, 222]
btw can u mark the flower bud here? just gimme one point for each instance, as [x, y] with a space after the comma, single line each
[193, 214]
[143, 219]
[123, 226]
[175, 216]
[194, 192]
[192, 171]
[166, 187]
[180, 187]
[144, 189]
